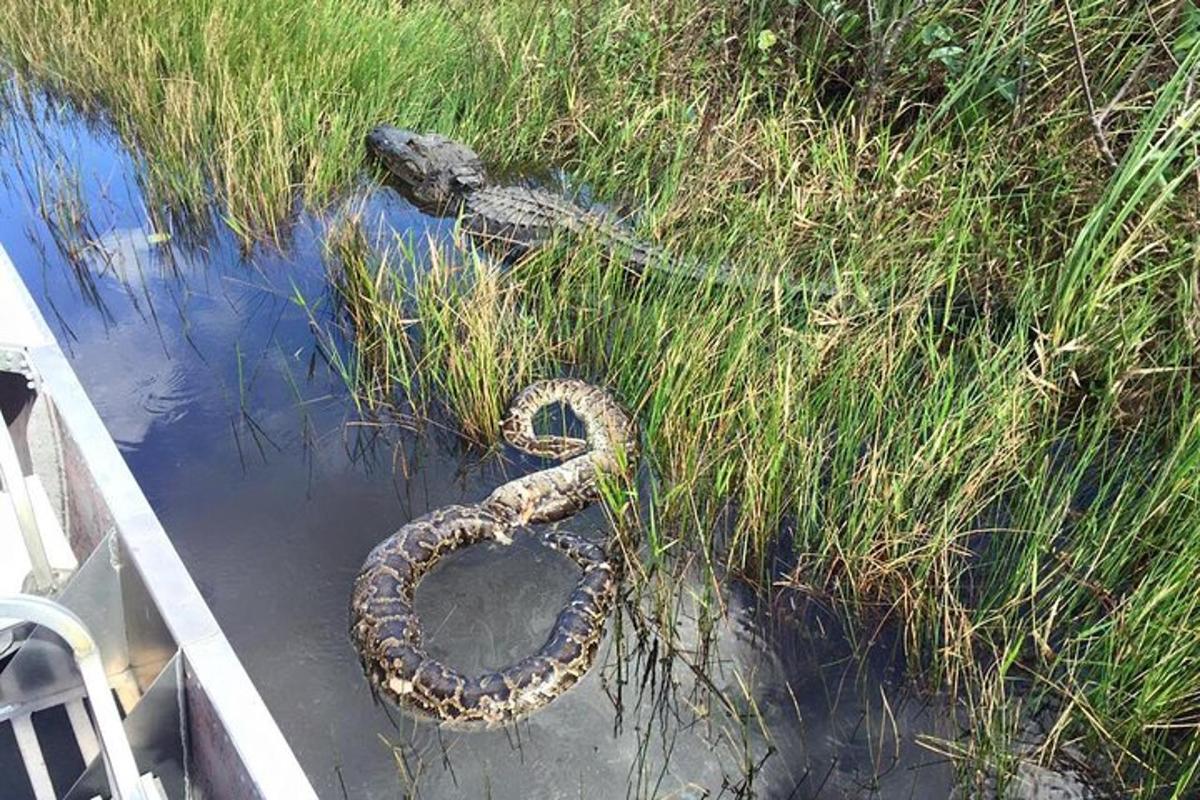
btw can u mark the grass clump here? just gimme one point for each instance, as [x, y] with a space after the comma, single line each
[989, 435]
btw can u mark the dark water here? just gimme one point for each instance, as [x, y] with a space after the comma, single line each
[207, 372]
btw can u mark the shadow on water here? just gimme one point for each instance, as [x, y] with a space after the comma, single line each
[210, 376]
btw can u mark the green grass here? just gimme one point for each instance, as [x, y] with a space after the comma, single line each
[1015, 487]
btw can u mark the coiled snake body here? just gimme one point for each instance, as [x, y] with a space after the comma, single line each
[384, 624]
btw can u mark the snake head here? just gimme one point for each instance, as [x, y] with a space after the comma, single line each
[433, 171]
[560, 447]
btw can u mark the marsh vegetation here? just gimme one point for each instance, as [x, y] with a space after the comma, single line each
[988, 438]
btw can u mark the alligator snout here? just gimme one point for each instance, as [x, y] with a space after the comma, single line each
[383, 139]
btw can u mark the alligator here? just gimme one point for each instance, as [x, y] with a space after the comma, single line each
[442, 177]
[445, 178]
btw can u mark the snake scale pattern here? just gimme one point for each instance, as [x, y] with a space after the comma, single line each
[384, 624]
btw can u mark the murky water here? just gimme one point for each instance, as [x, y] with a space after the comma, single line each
[208, 374]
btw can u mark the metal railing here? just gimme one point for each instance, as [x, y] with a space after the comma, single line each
[13, 479]
[119, 764]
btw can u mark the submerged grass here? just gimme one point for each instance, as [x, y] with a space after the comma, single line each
[990, 435]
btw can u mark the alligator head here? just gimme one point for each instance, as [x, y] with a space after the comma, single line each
[434, 171]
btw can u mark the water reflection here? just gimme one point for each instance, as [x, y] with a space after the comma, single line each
[209, 375]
